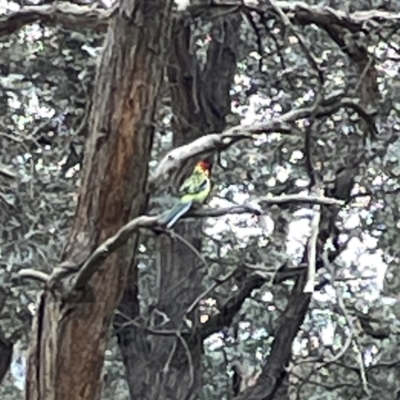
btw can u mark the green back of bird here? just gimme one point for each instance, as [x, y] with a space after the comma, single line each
[195, 188]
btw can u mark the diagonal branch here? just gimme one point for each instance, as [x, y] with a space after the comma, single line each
[274, 370]
[230, 308]
[4, 171]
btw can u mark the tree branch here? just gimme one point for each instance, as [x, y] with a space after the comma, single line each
[299, 199]
[356, 21]
[89, 267]
[33, 274]
[7, 173]
[68, 14]
[230, 308]
[76, 16]
[177, 157]
[122, 236]
[273, 370]
[301, 12]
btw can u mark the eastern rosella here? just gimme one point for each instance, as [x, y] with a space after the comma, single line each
[195, 189]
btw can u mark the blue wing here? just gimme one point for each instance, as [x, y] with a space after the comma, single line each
[177, 212]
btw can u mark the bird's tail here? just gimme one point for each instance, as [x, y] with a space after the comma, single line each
[173, 215]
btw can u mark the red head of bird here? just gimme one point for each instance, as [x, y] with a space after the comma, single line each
[203, 166]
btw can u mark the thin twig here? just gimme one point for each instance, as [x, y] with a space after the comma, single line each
[190, 362]
[180, 238]
[165, 370]
[215, 284]
[352, 338]
[300, 199]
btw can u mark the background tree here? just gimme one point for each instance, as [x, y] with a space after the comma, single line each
[217, 308]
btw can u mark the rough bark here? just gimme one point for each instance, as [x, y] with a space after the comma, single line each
[200, 101]
[70, 335]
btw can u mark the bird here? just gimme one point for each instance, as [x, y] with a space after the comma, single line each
[194, 190]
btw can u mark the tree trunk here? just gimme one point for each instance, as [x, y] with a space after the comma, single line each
[201, 101]
[69, 336]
